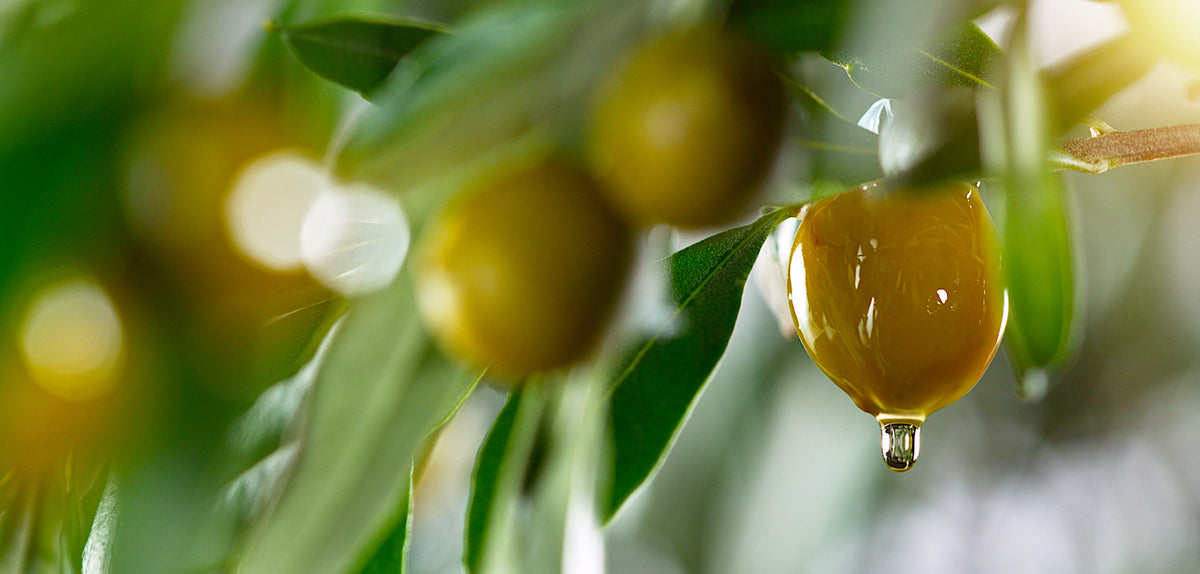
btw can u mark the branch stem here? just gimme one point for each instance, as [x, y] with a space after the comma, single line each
[1100, 153]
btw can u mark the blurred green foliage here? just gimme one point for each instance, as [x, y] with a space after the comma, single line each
[264, 424]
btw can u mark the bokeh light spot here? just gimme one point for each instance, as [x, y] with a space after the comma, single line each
[354, 239]
[72, 340]
[267, 205]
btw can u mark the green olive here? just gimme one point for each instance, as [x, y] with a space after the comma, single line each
[522, 272]
[686, 128]
[898, 296]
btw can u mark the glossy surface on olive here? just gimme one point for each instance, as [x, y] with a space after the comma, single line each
[521, 274]
[897, 296]
[685, 129]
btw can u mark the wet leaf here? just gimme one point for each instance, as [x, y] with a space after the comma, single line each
[664, 374]
[964, 58]
[933, 136]
[357, 53]
[840, 149]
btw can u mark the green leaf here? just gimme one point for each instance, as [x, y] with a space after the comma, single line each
[357, 53]
[378, 394]
[1078, 86]
[790, 25]
[1041, 281]
[665, 374]
[44, 520]
[536, 477]
[511, 72]
[499, 477]
[1037, 255]
[98, 548]
[392, 555]
[839, 149]
[484, 482]
[964, 58]
[933, 137]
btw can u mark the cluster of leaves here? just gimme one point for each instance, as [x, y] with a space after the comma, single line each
[327, 459]
[410, 68]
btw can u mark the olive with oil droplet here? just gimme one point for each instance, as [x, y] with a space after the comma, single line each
[897, 296]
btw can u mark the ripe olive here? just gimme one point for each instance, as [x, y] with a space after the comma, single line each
[521, 273]
[898, 296]
[684, 130]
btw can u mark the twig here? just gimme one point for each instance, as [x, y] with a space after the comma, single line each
[1100, 153]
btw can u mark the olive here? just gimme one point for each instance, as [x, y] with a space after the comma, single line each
[898, 297]
[684, 130]
[521, 272]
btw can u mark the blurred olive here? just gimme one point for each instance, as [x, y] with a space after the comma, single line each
[685, 129]
[181, 163]
[522, 272]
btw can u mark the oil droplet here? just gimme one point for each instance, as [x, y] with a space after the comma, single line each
[901, 444]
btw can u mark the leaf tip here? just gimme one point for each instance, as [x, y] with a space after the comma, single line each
[1032, 385]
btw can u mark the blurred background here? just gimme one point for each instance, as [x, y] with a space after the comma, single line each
[171, 245]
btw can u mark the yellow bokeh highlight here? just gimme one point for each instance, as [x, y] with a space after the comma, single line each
[72, 340]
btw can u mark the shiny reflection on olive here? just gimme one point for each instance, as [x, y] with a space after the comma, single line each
[897, 296]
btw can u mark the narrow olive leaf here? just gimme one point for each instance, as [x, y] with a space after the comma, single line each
[1041, 281]
[97, 551]
[392, 555]
[840, 149]
[16, 518]
[484, 481]
[1037, 255]
[963, 58]
[506, 74]
[44, 520]
[260, 452]
[790, 25]
[457, 96]
[85, 485]
[499, 477]
[933, 136]
[356, 53]
[378, 393]
[664, 375]
[1078, 86]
